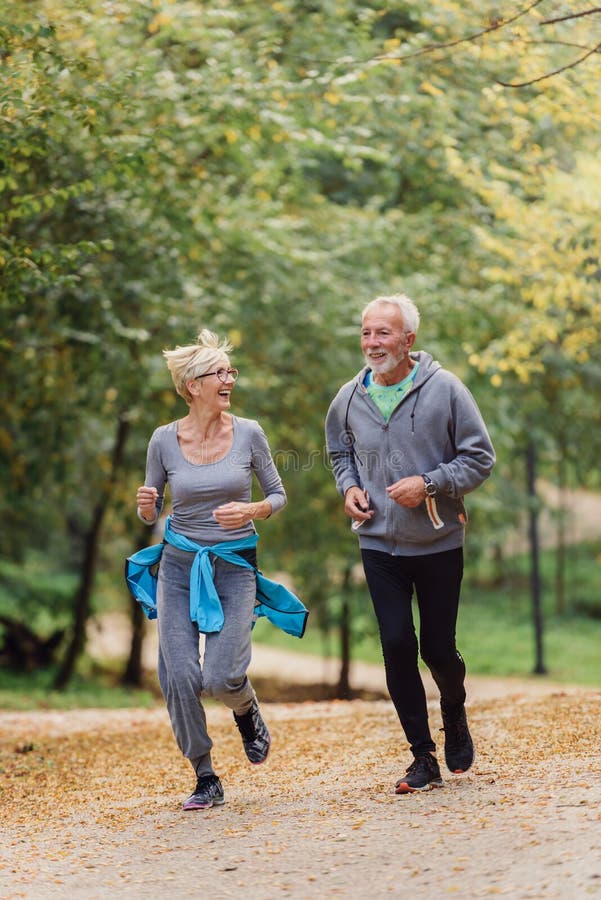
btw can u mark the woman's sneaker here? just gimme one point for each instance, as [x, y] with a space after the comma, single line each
[255, 736]
[458, 744]
[422, 775]
[208, 792]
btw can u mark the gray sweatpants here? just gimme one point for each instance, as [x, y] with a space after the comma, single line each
[227, 653]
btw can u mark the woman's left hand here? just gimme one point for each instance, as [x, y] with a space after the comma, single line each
[235, 515]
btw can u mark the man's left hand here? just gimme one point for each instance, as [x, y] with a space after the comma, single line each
[408, 492]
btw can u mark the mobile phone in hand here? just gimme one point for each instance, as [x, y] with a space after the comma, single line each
[357, 523]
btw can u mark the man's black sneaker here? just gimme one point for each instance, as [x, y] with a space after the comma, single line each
[208, 792]
[422, 775]
[458, 744]
[255, 736]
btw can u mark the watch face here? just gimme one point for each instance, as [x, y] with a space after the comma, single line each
[430, 489]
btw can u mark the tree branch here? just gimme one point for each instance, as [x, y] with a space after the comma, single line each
[549, 42]
[571, 65]
[495, 26]
[586, 12]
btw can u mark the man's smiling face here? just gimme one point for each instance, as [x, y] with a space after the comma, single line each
[383, 338]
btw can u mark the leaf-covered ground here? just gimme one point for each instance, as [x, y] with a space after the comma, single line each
[90, 805]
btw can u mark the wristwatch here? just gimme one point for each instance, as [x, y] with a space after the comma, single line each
[431, 487]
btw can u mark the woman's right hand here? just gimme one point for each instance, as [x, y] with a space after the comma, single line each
[146, 498]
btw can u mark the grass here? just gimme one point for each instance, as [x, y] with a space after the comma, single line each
[493, 643]
[505, 646]
[495, 635]
[490, 644]
[495, 631]
[24, 691]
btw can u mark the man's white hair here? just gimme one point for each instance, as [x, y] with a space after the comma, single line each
[404, 304]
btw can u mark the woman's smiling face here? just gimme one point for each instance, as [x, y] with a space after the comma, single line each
[213, 390]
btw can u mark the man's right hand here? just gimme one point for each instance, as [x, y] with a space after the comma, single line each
[356, 504]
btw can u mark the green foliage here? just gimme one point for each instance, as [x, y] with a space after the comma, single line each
[35, 594]
[504, 646]
[265, 169]
[510, 573]
[495, 637]
[34, 690]
[496, 630]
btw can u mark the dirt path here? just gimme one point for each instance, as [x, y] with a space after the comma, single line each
[91, 805]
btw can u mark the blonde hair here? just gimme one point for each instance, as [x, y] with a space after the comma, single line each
[187, 363]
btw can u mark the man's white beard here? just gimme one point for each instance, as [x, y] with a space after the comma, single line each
[386, 365]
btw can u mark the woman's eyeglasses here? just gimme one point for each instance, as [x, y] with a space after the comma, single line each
[222, 375]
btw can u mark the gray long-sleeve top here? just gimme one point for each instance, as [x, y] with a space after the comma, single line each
[436, 430]
[196, 490]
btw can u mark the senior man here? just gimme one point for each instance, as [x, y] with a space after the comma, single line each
[406, 441]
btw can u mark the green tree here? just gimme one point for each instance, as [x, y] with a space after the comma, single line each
[266, 169]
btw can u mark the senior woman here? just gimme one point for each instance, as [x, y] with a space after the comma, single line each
[207, 458]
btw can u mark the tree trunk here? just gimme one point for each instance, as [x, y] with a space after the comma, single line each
[81, 601]
[499, 568]
[132, 675]
[535, 581]
[344, 685]
[560, 555]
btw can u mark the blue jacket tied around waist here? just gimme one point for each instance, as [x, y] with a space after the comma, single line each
[274, 601]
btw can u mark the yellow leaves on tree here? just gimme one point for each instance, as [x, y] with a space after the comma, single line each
[547, 252]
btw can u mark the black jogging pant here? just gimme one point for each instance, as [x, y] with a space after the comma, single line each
[436, 579]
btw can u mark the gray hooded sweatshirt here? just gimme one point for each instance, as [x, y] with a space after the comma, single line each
[435, 430]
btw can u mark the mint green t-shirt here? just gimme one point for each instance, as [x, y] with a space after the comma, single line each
[387, 397]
